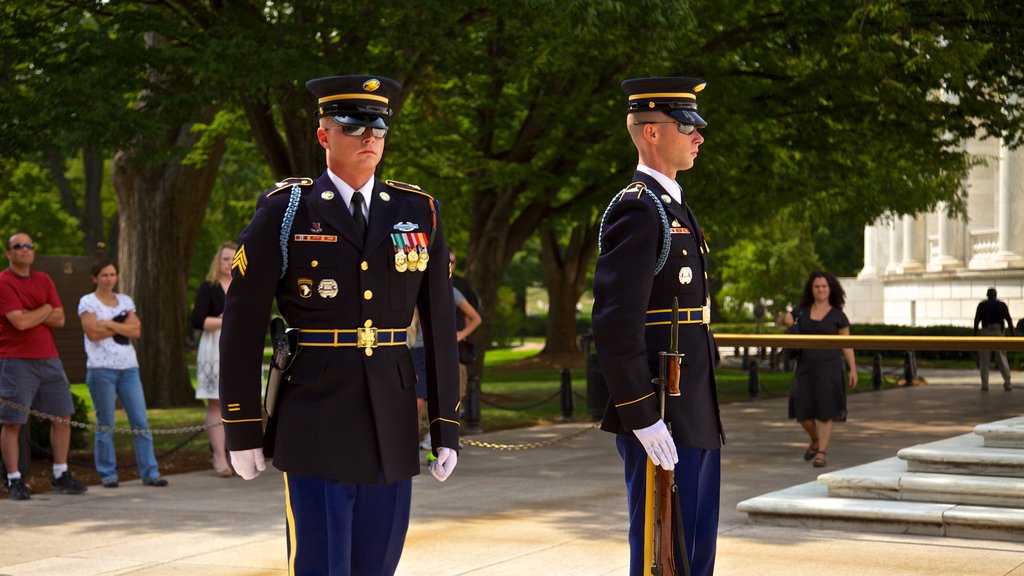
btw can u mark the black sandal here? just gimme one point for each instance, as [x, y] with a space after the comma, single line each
[819, 460]
[811, 450]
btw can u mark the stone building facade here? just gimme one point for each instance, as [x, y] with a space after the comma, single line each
[933, 269]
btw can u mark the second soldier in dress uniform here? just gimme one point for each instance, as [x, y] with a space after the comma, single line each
[652, 250]
[347, 257]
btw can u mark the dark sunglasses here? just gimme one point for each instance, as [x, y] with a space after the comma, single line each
[683, 128]
[25, 246]
[348, 130]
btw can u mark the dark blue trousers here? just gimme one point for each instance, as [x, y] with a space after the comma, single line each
[698, 479]
[345, 529]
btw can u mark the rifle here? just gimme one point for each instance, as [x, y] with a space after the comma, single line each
[662, 507]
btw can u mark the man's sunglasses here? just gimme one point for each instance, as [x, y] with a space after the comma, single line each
[349, 130]
[683, 128]
[25, 246]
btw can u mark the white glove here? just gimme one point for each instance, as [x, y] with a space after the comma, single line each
[248, 463]
[657, 441]
[445, 463]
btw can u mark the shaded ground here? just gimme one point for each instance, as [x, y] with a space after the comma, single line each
[81, 466]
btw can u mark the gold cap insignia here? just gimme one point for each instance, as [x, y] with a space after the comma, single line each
[371, 85]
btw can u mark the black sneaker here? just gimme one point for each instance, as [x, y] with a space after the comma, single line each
[67, 484]
[17, 490]
[159, 482]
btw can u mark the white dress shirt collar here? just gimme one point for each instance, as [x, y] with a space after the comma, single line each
[671, 186]
[347, 191]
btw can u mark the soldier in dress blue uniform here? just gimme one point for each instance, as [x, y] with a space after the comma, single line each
[651, 250]
[348, 257]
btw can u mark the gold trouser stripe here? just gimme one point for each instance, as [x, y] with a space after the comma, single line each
[634, 401]
[290, 518]
[649, 507]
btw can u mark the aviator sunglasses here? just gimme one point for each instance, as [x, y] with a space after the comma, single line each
[683, 128]
[349, 130]
[25, 246]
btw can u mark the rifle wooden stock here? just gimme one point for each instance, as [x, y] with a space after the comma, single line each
[665, 521]
[659, 556]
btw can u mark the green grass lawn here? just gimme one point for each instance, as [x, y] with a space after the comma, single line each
[159, 419]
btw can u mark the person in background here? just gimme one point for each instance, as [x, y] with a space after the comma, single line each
[206, 316]
[991, 314]
[818, 396]
[31, 373]
[471, 321]
[463, 320]
[112, 372]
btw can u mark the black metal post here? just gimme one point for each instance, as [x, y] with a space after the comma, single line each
[746, 358]
[753, 380]
[567, 399]
[473, 405]
[909, 368]
[876, 372]
[773, 359]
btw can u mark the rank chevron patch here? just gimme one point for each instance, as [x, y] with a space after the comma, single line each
[240, 261]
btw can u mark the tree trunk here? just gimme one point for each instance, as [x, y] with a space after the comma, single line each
[161, 207]
[566, 276]
[90, 214]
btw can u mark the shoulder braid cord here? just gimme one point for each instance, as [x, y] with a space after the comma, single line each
[286, 225]
[666, 231]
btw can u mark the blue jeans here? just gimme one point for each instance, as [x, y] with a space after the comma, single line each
[105, 386]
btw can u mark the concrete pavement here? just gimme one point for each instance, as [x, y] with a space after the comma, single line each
[556, 510]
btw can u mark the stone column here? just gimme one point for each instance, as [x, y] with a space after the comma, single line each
[1010, 203]
[870, 269]
[913, 244]
[893, 267]
[950, 249]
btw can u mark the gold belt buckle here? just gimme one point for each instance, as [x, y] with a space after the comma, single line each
[366, 338]
[705, 311]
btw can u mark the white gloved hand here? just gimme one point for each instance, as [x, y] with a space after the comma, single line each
[657, 441]
[445, 463]
[248, 463]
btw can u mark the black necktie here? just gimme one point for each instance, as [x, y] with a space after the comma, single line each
[357, 214]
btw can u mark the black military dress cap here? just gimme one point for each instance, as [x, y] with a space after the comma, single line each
[673, 95]
[355, 100]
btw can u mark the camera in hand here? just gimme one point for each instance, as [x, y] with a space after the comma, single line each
[121, 318]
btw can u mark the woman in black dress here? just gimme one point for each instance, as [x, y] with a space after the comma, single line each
[818, 396]
[206, 316]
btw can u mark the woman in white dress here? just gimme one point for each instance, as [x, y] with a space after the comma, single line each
[206, 316]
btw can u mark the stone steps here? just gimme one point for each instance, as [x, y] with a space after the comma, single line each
[1007, 433]
[969, 486]
[966, 454]
[810, 506]
[890, 480]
